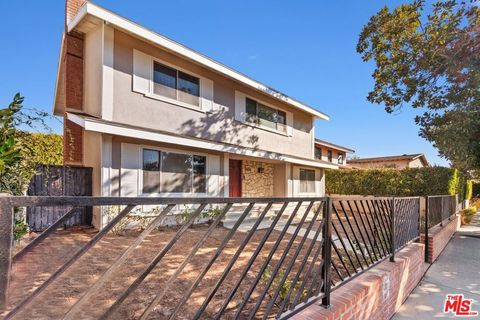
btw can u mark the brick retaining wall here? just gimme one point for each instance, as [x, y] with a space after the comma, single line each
[377, 293]
[439, 236]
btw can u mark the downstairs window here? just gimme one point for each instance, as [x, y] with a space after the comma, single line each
[170, 172]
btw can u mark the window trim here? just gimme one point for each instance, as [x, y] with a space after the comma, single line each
[155, 96]
[314, 182]
[260, 126]
[338, 158]
[170, 194]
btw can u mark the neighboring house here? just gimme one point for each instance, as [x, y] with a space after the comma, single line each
[395, 162]
[153, 117]
[333, 153]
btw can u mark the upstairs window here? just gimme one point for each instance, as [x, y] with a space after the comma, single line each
[340, 158]
[265, 116]
[318, 153]
[330, 155]
[307, 181]
[171, 83]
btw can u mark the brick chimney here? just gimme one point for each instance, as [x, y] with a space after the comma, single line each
[71, 9]
[73, 77]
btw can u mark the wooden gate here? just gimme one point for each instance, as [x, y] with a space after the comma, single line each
[59, 181]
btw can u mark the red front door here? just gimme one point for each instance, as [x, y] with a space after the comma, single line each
[235, 178]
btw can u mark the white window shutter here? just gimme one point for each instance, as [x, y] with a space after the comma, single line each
[130, 169]
[142, 72]
[289, 123]
[206, 94]
[240, 106]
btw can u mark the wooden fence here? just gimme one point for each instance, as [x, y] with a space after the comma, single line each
[59, 181]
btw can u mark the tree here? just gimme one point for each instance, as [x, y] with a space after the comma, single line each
[431, 61]
[17, 158]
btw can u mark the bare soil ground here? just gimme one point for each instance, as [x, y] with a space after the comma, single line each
[35, 267]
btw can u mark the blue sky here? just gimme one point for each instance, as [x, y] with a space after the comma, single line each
[303, 48]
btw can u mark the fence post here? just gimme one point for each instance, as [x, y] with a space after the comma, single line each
[327, 251]
[392, 231]
[442, 214]
[6, 241]
[427, 210]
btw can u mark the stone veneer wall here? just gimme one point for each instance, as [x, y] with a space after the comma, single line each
[255, 183]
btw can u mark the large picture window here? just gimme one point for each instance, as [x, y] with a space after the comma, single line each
[307, 181]
[170, 172]
[171, 83]
[265, 116]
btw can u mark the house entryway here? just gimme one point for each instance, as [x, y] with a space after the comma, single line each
[235, 178]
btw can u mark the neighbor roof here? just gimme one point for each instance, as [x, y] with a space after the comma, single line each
[89, 14]
[333, 146]
[391, 158]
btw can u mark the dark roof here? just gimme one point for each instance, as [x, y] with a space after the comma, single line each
[332, 145]
[391, 158]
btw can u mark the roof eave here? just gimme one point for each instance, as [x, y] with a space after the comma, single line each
[122, 23]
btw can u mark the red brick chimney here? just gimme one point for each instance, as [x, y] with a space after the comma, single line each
[73, 77]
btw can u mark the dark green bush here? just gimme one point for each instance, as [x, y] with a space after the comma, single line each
[392, 182]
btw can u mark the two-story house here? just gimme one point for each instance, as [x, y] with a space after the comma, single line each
[155, 118]
[333, 153]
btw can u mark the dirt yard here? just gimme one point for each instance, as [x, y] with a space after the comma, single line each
[59, 297]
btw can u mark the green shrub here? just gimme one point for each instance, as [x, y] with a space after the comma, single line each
[392, 182]
[469, 191]
[467, 215]
[20, 229]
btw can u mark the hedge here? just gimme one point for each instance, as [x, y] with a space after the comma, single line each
[400, 183]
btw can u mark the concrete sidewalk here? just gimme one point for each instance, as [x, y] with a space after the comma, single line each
[456, 271]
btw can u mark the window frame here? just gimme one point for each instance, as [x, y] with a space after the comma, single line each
[177, 194]
[177, 102]
[315, 153]
[340, 158]
[256, 124]
[300, 181]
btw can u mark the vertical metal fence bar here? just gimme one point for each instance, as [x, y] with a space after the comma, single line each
[427, 212]
[327, 254]
[6, 241]
[392, 231]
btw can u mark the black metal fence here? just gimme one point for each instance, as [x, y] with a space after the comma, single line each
[440, 208]
[254, 258]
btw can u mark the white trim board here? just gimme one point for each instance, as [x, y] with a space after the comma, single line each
[122, 23]
[91, 124]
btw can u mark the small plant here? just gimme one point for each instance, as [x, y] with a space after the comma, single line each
[20, 229]
[186, 213]
[467, 215]
[285, 287]
[138, 219]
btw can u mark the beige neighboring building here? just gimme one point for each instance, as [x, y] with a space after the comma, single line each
[393, 162]
[333, 153]
[155, 118]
